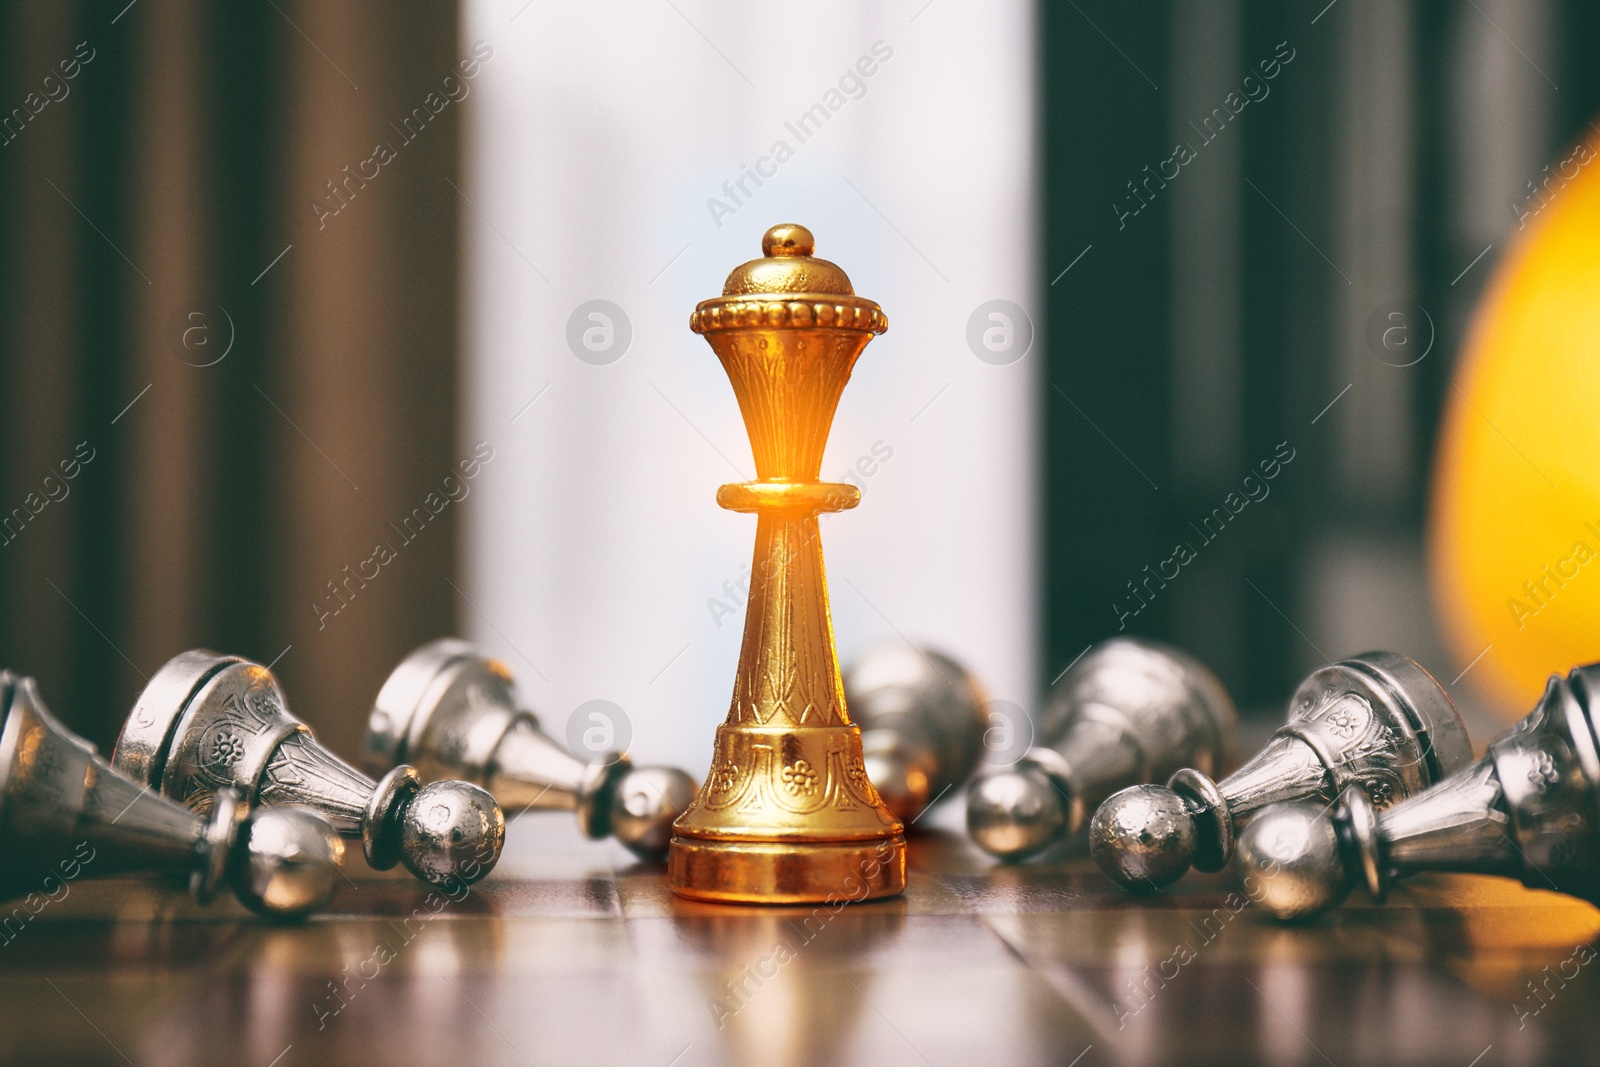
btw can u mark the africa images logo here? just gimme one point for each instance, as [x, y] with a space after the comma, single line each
[1255, 89]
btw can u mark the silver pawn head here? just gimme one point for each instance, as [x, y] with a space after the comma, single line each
[1015, 813]
[1143, 837]
[1292, 852]
[451, 831]
[644, 803]
[288, 864]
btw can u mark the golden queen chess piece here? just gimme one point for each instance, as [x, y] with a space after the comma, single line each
[787, 813]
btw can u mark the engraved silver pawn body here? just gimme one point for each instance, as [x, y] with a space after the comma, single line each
[922, 719]
[1377, 720]
[1128, 711]
[1530, 810]
[65, 813]
[207, 722]
[452, 709]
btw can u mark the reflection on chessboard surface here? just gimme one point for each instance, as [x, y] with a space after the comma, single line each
[572, 952]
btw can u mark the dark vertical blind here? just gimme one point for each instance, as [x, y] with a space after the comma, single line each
[1118, 491]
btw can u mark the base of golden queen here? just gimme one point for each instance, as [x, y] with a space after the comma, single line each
[782, 872]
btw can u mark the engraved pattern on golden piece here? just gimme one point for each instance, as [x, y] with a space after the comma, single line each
[787, 813]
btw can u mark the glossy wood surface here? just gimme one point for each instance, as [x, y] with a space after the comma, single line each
[571, 954]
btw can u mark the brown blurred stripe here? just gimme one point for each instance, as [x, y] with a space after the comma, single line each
[195, 141]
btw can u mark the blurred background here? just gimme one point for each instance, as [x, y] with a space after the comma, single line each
[358, 324]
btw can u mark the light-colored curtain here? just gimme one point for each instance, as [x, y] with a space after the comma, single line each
[633, 154]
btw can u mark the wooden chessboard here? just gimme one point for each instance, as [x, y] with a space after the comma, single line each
[572, 954]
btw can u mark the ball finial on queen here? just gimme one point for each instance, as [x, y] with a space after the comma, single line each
[788, 239]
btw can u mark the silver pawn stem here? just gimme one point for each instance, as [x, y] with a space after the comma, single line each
[65, 813]
[452, 709]
[207, 722]
[1378, 720]
[1530, 810]
[1128, 711]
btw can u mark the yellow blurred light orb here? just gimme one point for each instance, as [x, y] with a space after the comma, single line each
[1514, 530]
